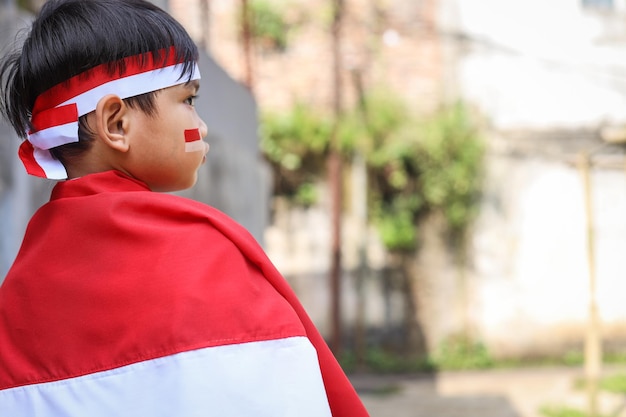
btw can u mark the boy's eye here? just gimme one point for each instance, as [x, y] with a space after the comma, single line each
[191, 100]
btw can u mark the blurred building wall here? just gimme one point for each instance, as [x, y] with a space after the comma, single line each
[20, 195]
[547, 76]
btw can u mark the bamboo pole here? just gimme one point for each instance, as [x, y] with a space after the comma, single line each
[593, 347]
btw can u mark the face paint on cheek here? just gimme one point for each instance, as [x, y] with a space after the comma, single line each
[193, 141]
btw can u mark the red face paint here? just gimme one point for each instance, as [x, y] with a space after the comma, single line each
[193, 141]
[192, 135]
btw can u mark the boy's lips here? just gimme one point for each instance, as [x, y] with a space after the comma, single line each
[206, 151]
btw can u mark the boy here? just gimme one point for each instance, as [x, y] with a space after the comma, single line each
[123, 301]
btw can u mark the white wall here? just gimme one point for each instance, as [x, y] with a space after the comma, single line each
[538, 63]
[540, 66]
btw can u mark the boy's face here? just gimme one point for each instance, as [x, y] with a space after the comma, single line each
[158, 152]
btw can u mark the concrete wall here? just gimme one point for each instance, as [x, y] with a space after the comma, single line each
[548, 75]
[538, 64]
[20, 195]
[530, 278]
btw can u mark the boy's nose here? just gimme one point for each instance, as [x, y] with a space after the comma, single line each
[204, 130]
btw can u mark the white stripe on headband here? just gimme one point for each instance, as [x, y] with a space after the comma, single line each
[61, 122]
[40, 162]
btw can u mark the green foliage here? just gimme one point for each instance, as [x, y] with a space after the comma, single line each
[451, 166]
[268, 25]
[573, 357]
[306, 195]
[397, 231]
[296, 144]
[293, 136]
[26, 5]
[455, 353]
[562, 411]
[384, 117]
[414, 166]
[612, 356]
[612, 383]
[461, 352]
[423, 166]
[382, 361]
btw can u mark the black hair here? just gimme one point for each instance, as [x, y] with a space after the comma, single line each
[69, 37]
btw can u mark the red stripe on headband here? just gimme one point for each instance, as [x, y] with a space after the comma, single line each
[54, 117]
[192, 135]
[99, 75]
[26, 153]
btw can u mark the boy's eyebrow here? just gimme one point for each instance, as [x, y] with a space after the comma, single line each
[193, 85]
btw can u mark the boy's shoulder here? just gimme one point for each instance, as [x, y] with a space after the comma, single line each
[113, 194]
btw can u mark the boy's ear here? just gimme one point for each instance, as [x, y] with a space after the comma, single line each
[112, 118]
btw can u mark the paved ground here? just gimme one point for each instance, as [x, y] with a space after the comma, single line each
[495, 393]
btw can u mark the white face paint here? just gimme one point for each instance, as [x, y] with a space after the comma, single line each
[194, 142]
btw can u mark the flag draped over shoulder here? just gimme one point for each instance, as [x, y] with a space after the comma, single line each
[126, 302]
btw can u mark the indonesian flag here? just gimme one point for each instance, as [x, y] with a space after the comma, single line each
[124, 302]
[193, 141]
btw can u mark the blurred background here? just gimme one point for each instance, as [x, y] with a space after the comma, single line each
[443, 183]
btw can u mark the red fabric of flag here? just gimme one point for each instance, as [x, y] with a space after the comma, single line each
[111, 274]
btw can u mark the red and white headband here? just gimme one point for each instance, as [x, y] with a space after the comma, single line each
[55, 114]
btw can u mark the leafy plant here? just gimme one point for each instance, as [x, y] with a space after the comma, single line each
[461, 352]
[424, 166]
[397, 230]
[562, 411]
[382, 361]
[268, 25]
[296, 144]
[450, 156]
[414, 166]
[306, 195]
[614, 383]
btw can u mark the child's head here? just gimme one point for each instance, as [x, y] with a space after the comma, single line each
[74, 47]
